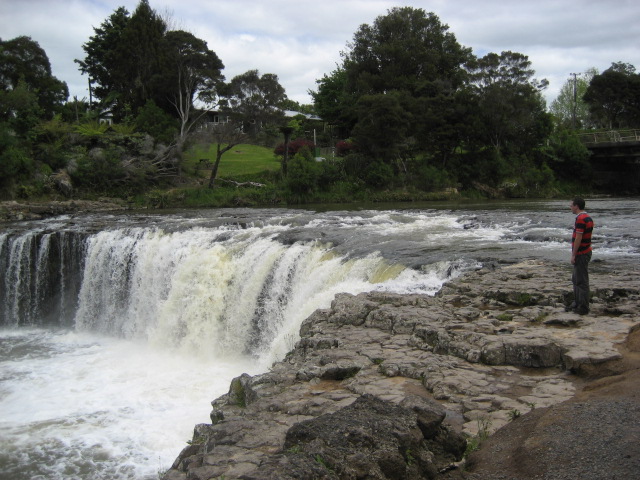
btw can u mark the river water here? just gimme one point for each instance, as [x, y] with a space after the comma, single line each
[118, 330]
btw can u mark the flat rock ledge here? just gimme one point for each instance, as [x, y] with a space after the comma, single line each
[388, 386]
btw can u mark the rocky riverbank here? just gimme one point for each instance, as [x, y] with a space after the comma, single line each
[384, 386]
[13, 210]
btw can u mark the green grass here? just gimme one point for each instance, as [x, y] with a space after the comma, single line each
[243, 160]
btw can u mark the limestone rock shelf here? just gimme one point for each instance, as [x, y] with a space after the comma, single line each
[392, 386]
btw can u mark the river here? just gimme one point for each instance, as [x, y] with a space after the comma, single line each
[118, 330]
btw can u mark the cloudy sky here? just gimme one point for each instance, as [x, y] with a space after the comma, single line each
[301, 40]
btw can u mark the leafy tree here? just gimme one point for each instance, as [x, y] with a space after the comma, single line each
[224, 136]
[408, 50]
[406, 65]
[23, 60]
[289, 104]
[140, 50]
[15, 161]
[135, 58]
[20, 111]
[334, 103]
[52, 142]
[510, 106]
[614, 97]
[569, 102]
[383, 125]
[102, 61]
[251, 103]
[254, 100]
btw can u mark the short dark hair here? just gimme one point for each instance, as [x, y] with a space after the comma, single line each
[579, 202]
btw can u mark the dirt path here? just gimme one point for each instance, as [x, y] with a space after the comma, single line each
[593, 436]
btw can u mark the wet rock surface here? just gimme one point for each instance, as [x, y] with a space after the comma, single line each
[394, 386]
[14, 210]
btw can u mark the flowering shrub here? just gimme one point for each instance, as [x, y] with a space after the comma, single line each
[294, 146]
[344, 148]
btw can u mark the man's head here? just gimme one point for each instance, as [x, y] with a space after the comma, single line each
[577, 204]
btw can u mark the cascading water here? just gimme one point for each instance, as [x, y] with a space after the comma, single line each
[41, 273]
[118, 331]
[171, 309]
[216, 292]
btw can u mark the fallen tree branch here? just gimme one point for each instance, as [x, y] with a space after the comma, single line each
[243, 184]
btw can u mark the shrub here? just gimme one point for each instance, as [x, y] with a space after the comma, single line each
[156, 122]
[303, 172]
[378, 174]
[294, 146]
[344, 148]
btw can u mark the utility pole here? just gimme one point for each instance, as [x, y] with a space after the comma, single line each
[90, 95]
[575, 100]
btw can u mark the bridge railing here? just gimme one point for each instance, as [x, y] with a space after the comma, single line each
[611, 136]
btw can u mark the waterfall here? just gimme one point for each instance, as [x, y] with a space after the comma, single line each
[217, 292]
[40, 277]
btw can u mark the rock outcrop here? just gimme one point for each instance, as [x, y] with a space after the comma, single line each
[13, 210]
[392, 386]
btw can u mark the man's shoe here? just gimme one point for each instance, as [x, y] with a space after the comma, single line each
[570, 308]
[582, 311]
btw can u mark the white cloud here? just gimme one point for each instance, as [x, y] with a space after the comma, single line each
[300, 41]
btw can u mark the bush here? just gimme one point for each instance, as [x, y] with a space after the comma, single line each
[15, 162]
[100, 169]
[344, 148]
[156, 122]
[430, 178]
[294, 147]
[303, 172]
[378, 175]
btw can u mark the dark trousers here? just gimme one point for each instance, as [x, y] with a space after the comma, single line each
[580, 279]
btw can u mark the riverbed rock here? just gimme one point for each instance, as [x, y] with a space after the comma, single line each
[17, 210]
[384, 385]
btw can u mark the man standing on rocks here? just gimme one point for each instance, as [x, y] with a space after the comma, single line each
[580, 256]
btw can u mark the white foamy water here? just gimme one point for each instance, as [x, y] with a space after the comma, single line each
[79, 406]
[119, 331]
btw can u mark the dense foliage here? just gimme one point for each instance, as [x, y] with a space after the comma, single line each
[614, 97]
[416, 104]
[408, 111]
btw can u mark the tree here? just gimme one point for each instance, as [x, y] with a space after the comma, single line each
[383, 123]
[408, 65]
[140, 51]
[570, 102]
[250, 103]
[255, 100]
[139, 66]
[225, 136]
[29, 95]
[102, 61]
[133, 58]
[614, 97]
[511, 107]
[197, 75]
[24, 60]
[407, 49]
[334, 103]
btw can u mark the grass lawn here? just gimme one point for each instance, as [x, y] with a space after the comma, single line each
[241, 161]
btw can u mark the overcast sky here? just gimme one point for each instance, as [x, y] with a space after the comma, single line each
[301, 40]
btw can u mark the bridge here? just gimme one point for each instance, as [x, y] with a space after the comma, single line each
[615, 158]
[611, 137]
